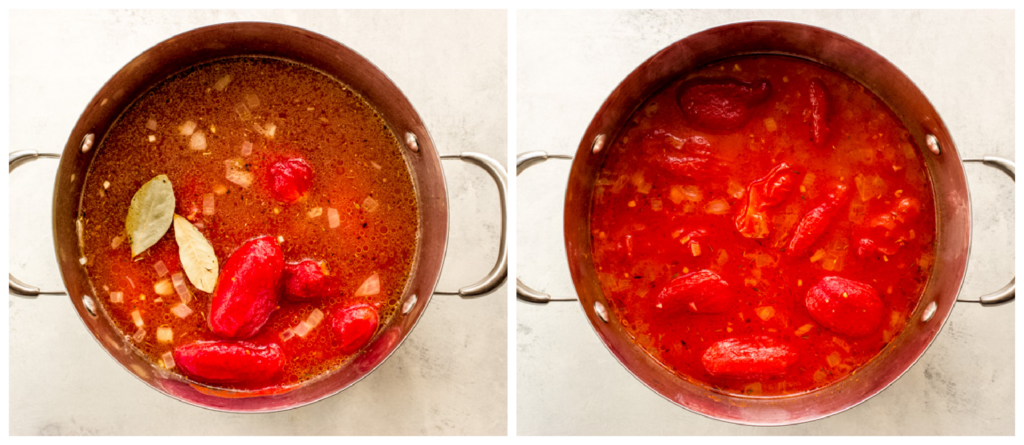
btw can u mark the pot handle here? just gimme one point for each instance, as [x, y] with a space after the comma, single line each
[16, 286]
[524, 292]
[1006, 293]
[499, 272]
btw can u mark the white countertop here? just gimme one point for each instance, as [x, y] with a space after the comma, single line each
[567, 64]
[450, 376]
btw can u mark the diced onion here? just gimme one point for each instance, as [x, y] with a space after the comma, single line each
[315, 212]
[236, 173]
[375, 165]
[246, 148]
[253, 100]
[187, 128]
[717, 207]
[302, 329]
[139, 335]
[161, 268]
[369, 287]
[163, 287]
[198, 141]
[770, 125]
[243, 111]
[765, 313]
[287, 334]
[116, 297]
[164, 334]
[137, 318]
[179, 286]
[833, 359]
[151, 124]
[222, 83]
[116, 242]
[181, 310]
[271, 129]
[208, 204]
[168, 359]
[370, 204]
[803, 329]
[314, 318]
[333, 220]
[656, 204]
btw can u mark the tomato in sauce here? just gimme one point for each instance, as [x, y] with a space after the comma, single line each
[255, 148]
[763, 226]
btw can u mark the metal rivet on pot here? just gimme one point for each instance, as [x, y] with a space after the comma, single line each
[929, 312]
[601, 311]
[90, 304]
[412, 142]
[409, 304]
[598, 144]
[87, 142]
[933, 144]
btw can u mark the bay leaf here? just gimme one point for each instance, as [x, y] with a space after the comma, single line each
[150, 214]
[197, 256]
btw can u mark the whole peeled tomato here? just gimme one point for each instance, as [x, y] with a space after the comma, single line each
[289, 179]
[355, 326]
[248, 289]
[230, 362]
[305, 280]
[845, 306]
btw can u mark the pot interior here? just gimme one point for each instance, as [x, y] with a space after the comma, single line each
[267, 40]
[910, 106]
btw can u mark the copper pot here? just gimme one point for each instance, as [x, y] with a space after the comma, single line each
[310, 49]
[945, 168]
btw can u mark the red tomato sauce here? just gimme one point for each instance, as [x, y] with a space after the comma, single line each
[361, 184]
[671, 200]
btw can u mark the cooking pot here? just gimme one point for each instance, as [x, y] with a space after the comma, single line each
[944, 165]
[303, 47]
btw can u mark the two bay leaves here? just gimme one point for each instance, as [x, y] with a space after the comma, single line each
[150, 214]
[197, 256]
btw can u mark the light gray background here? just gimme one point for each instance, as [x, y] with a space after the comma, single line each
[450, 376]
[568, 63]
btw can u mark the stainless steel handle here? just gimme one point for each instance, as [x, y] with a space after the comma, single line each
[1006, 293]
[16, 286]
[524, 292]
[499, 272]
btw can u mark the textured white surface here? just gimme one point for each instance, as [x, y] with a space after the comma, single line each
[568, 63]
[450, 376]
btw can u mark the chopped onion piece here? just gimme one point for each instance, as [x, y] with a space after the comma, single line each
[246, 148]
[717, 207]
[315, 212]
[161, 268]
[370, 204]
[116, 297]
[187, 128]
[222, 83]
[116, 242]
[168, 359]
[253, 100]
[181, 310]
[164, 334]
[314, 318]
[375, 165]
[287, 334]
[220, 189]
[237, 174]
[243, 111]
[271, 129]
[163, 287]
[369, 287]
[198, 141]
[208, 203]
[151, 124]
[139, 335]
[333, 220]
[302, 329]
[137, 318]
[179, 286]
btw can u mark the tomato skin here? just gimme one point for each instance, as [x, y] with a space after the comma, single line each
[248, 289]
[818, 97]
[763, 193]
[700, 292]
[230, 362]
[355, 326]
[289, 179]
[814, 223]
[304, 280]
[845, 306]
[747, 357]
[721, 105]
